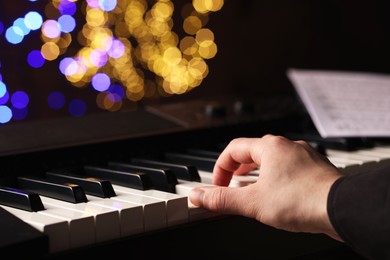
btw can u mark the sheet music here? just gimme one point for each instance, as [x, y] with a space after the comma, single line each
[345, 104]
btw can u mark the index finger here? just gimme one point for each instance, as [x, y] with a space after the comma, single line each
[238, 152]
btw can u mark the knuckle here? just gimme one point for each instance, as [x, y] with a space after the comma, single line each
[274, 139]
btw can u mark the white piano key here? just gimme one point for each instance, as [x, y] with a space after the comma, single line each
[237, 180]
[361, 158]
[205, 177]
[243, 180]
[184, 187]
[176, 205]
[383, 148]
[346, 165]
[254, 172]
[366, 162]
[381, 156]
[130, 214]
[154, 212]
[344, 161]
[81, 225]
[107, 226]
[384, 155]
[56, 229]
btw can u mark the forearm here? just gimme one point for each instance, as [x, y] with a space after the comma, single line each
[359, 210]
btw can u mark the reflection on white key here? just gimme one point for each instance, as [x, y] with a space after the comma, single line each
[107, 226]
[154, 211]
[56, 229]
[131, 215]
[176, 205]
[81, 226]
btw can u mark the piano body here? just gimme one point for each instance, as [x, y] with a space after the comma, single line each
[199, 237]
[245, 94]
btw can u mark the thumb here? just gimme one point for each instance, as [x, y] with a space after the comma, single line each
[217, 199]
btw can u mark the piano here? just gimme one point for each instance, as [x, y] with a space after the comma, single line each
[55, 160]
[191, 234]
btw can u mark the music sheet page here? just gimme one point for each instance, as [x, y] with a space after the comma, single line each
[345, 104]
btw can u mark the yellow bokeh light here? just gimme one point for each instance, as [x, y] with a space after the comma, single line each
[188, 46]
[96, 17]
[208, 49]
[205, 6]
[50, 51]
[162, 10]
[172, 56]
[204, 35]
[192, 24]
[137, 36]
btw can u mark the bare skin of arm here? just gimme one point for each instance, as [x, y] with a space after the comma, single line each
[291, 191]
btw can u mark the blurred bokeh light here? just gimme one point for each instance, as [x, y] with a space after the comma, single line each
[127, 50]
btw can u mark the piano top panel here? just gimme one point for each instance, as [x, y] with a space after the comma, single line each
[68, 132]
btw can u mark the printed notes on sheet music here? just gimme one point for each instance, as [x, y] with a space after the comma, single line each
[345, 104]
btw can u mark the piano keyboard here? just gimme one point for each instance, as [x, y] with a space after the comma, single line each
[139, 198]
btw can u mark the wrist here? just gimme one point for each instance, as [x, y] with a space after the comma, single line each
[324, 224]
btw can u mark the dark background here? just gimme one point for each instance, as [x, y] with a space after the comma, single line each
[258, 40]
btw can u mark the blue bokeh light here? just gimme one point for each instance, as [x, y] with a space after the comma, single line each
[5, 114]
[35, 59]
[19, 114]
[65, 65]
[107, 5]
[56, 100]
[20, 23]
[67, 23]
[3, 89]
[67, 7]
[4, 99]
[19, 99]
[101, 82]
[14, 35]
[77, 107]
[1, 27]
[33, 20]
[116, 93]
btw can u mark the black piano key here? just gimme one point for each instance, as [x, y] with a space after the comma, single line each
[21, 199]
[318, 147]
[135, 180]
[182, 171]
[202, 163]
[69, 192]
[162, 179]
[337, 143]
[91, 185]
[203, 153]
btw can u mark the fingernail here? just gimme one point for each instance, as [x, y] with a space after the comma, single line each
[196, 196]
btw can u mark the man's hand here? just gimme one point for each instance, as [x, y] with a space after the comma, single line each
[291, 191]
